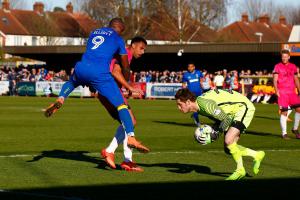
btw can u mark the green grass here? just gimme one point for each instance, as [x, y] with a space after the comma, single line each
[58, 157]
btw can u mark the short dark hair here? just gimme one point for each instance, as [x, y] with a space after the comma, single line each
[138, 39]
[191, 62]
[285, 51]
[184, 95]
[116, 20]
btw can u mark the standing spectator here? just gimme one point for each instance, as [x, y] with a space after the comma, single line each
[247, 81]
[32, 76]
[148, 77]
[234, 81]
[12, 82]
[165, 77]
[268, 92]
[155, 77]
[173, 77]
[192, 80]
[63, 75]
[227, 77]
[2, 75]
[143, 77]
[206, 83]
[49, 76]
[179, 76]
[285, 82]
[219, 80]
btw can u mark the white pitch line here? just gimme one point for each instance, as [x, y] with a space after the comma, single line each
[151, 153]
[16, 156]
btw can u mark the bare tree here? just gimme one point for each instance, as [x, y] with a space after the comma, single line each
[21, 4]
[132, 11]
[257, 8]
[78, 4]
[292, 14]
[212, 13]
[179, 19]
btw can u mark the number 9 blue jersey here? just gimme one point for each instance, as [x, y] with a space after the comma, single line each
[102, 45]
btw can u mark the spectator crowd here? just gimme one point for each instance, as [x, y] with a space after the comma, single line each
[256, 84]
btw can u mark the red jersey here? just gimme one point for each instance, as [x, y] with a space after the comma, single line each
[114, 60]
[286, 73]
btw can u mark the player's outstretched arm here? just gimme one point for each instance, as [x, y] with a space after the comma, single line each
[117, 74]
[125, 67]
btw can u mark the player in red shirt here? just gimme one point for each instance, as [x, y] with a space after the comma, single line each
[136, 50]
[285, 78]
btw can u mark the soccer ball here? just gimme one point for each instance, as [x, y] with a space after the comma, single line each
[203, 134]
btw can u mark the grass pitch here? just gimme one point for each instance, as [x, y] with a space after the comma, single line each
[58, 157]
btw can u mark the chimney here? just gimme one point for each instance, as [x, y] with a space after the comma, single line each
[38, 7]
[282, 20]
[264, 19]
[69, 8]
[5, 4]
[245, 17]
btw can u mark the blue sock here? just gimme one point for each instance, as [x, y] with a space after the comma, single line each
[126, 121]
[120, 135]
[66, 89]
[196, 118]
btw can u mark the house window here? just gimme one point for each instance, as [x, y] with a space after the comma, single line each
[70, 41]
[5, 20]
[34, 41]
[18, 40]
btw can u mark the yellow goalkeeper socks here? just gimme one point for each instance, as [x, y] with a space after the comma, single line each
[246, 151]
[236, 154]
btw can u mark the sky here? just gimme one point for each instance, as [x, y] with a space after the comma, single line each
[49, 3]
[63, 3]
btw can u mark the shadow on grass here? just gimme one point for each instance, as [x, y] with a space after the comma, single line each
[70, 155]
[263, 134]
[181, 168]
[244, 189]
[266, 117]
[175, 123]
[179, 123]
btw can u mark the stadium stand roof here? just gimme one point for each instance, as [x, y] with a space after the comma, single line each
[261, 30]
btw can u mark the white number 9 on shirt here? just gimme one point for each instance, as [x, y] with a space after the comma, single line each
[97, 41]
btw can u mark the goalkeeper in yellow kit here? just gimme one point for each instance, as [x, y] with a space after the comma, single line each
[233, 113]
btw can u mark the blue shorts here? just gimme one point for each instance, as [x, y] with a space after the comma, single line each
[105, 84]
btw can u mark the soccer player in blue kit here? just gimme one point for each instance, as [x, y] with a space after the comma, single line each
[192, 80]
[94, 70]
